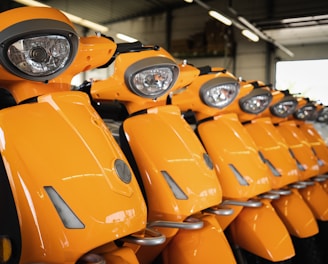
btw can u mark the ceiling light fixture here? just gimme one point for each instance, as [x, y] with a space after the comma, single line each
[250, 35]
[220, 17]
[264, 36]
[73, 18]
[125, 37]
[188, 1]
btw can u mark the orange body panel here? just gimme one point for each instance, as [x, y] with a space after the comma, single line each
[228, 143]
[275, 150]
[161, 140]
[297, 142]
[193, 246]
[260, 231]
[163, 150]
[62, 142]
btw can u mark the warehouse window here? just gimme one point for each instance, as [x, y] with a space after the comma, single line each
[306, 77]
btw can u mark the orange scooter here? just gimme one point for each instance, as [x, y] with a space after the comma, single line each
[301, 134]
[308, 163]
[316, 142]
[291, 207]
[68, 194]
[214, 99]
[174, 171]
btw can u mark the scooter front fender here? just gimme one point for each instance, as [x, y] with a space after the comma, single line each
[317, 199]
[296, 215]
[59, 155]
[206, 245]
[261, 232]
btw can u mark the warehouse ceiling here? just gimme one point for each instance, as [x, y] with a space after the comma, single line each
[287, 22]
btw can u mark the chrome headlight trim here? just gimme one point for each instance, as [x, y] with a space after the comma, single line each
[256, 101]
[37, 28]
[154, 64]
[306, 112]
[219, 92]
[284, 107]
[322, 115]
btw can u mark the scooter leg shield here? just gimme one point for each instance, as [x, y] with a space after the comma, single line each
[261, 232]
[206, 245]
[317, 199]
[296, 215]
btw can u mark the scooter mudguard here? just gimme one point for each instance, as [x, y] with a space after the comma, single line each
[241, 172]
[275, 152]
[194, 246]
[261, 232]
[296, 215]
[70, 182]
[300, 149]
[175, 169]
[317, 199]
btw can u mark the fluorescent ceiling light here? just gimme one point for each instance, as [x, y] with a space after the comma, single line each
[250, 35]
[73, 18]
[125, 37]
[220, 17]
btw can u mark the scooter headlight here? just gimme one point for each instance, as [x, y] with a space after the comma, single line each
[38, 49]
[219, 92]
[284, 107]
[323, 115]
[306, 112]
[152, 81]
[256, 101]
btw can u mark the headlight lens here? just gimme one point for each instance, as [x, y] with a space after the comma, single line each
[256, 101]
[284, 107]
[154, 81]
[219, 92]
[306, 112]
[38, 49]
[39, 56]
[323, 115]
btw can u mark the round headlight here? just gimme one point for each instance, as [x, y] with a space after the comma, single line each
[256, 101]
[284, 107]
[306, 112]
[38, 49]
[152, 81]
[219, 92]
[323, 115]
